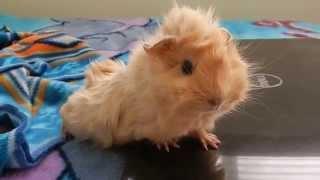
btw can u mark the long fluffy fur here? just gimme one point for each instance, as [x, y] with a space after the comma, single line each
[150, 98]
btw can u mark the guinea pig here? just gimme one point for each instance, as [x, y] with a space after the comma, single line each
[178, 83]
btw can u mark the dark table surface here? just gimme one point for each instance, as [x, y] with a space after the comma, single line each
[276, 135]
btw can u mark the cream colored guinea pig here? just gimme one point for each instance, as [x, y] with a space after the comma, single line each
[177, 83]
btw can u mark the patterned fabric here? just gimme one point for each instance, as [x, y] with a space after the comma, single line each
[271, 29]
[53, 161]
[36, 75]
[21, 24]
[7, 37]
[57, 70]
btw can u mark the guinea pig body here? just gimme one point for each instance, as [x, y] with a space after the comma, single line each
[177, 83]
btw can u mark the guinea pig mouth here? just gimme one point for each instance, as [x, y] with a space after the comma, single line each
[210, 108]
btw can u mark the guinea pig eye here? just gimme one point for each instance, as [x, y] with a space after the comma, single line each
[187, 67]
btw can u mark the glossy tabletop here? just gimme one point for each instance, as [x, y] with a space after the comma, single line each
[274, 136]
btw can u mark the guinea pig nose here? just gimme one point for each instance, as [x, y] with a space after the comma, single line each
[213, 102]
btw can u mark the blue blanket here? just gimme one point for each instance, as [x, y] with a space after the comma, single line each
[40, 69]
[37, 74]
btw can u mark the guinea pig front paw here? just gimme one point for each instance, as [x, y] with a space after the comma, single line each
[167, 144]
[207, 139]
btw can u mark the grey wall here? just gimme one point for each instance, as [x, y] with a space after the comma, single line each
[307, 10]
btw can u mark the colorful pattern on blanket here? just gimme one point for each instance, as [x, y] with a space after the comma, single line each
[35, 79]
[24, 105]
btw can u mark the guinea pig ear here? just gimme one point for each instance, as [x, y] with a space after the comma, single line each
[162, 46]
[226, 34]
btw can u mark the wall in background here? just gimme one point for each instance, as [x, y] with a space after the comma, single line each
[307, 10]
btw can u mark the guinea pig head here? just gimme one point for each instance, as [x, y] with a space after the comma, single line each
[203, 73]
